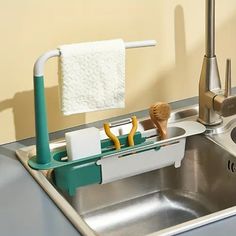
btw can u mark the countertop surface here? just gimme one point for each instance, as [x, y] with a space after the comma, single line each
[25, 209]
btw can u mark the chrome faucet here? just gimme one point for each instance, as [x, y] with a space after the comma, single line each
[213, 101]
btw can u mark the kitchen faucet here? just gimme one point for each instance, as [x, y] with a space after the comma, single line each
[213, 102]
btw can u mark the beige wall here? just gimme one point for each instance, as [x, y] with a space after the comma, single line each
[168, 72]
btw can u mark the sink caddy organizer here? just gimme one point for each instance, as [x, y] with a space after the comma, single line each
[146, 152]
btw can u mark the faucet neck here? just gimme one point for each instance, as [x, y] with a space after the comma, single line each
[210, 28]
[212, 102]
[209, 84]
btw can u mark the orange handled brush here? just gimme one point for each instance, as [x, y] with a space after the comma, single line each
[159, 113]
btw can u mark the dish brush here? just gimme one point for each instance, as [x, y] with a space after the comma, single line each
[159, 113]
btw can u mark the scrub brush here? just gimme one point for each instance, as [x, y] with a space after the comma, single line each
[159, 113]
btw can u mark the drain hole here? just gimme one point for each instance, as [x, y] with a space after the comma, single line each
[229, 164]
[232, 167]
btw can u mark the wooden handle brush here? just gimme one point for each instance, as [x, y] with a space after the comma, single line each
[159, 113]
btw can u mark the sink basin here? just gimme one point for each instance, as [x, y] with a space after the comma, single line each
[169, 200]
[159, 199]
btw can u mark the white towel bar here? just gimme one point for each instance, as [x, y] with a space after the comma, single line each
[39, 64]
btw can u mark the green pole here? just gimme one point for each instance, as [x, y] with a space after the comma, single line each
[41, 128]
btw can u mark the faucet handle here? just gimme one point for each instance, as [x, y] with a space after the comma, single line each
[225, 105]
[228, 78]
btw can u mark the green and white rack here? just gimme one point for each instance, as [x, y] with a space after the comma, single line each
[147, 154]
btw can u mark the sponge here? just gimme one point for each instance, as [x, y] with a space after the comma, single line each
[83, 143]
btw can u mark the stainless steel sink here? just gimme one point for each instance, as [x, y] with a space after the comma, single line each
[159, 199]
[163, 202]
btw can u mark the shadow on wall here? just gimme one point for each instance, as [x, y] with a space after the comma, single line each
[168, 81]
[22, 105]
[186, 73]
[175, 78]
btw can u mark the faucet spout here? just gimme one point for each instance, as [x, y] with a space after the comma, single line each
[209, 84]
[213, 102]
[210, 28]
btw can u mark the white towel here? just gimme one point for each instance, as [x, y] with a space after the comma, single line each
[93, 76]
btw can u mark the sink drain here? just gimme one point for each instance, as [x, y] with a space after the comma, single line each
[231, 166]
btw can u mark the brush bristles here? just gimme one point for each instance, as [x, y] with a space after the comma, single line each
[160, 111]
